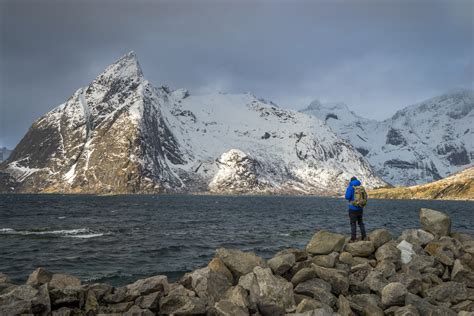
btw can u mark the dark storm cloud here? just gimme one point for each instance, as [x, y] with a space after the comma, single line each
[377, 56]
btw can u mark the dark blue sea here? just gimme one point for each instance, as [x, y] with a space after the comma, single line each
[118, 239]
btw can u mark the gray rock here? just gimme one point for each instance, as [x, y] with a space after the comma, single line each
[411, 279]
[300, 254]
[327, 261]
[303, 275]
[239, 262]
[366, 304]
[387, 268]
[238, 296]
[150, 301]
[345, 257]
[416, 236]
[360, 248]
[228, 308]
[462, 273]
[137, 311]
[467, 306]
[452, 292]
[309, 304]
[146, 286]
[62, 281]
[408, 310]
[324, 242]
[441, 252]
[435, 222]
[217, 265]
[338, 279]
[118, 308]
[394, 294]
[39, 276]
[100, 290]
[209, 285]
[376, 281]
[91, 305]
[120, 294]
[69, 296]
[389, 252]
[179, 289]
[317, 289]
[282, 263]
[344, 306]
[424, 307]
[182, 305]
[274, 295]
[379, 237]
[25, 299]
[421, 263]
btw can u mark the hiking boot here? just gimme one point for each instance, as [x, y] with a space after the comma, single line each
[365, 238]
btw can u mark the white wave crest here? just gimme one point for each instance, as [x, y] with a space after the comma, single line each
[71, 233]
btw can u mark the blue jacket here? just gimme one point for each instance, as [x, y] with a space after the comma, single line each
[350, 195]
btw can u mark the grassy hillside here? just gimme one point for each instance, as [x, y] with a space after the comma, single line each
[459, 186]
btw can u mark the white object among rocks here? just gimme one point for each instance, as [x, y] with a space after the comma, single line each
[406, 251]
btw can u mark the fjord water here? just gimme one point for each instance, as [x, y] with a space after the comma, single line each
[118, 239]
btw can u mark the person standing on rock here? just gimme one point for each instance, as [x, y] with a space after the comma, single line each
[357, 198]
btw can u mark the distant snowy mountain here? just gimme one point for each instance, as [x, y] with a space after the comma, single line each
[4, 153]
[122, 135]
[419, 144]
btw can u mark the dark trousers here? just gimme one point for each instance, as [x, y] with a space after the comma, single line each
[356, 216]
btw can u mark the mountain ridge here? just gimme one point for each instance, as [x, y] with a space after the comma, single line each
[420, 143]
[120, 135]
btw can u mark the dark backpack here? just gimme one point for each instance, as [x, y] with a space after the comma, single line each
[360, 196]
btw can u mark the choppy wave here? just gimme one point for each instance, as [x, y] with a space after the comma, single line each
[71, 233]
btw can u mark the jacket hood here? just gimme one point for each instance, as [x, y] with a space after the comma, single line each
[354, 183]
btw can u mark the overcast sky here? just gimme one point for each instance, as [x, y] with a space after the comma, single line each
[376, 56]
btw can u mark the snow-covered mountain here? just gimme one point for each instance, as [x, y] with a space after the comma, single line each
[419, 144]
[122, 135]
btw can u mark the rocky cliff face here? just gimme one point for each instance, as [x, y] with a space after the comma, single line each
[419, 144]
[122, 135]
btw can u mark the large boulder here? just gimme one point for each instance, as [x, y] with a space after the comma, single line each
[375, 281]
[411, 279]
[388, 251]
[366, 304]
[303, 275]
[39, 276]
[406, 251]
[228, 308]
[282, 263]
[451, 292]
[153, 284]
[394, 294]
[344, 306]
[238, 296]
[417, 236]
[462, 273]
[209, 285]
[360, 248]
[317, 289]
[61, 281]
[182, 305]
[407, 310]
[327, 261]
[324, 242]
[217, 265]
[337, 278]
[299, 254]
[379, 237]
[435, 222]
[239, 262]
[25, 299]
[441, 252]
[150, 301]
[274, 295]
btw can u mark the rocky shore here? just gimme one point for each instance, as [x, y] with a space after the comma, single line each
[425, 271]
